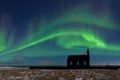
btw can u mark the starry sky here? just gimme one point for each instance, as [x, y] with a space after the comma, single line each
[45, 32]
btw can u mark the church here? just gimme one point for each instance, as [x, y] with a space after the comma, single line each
[81, 61]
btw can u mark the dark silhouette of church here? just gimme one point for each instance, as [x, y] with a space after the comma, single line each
[82, 61]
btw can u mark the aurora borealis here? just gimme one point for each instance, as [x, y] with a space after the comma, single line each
[36, 32]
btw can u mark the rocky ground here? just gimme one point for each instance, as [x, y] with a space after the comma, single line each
[44, 74]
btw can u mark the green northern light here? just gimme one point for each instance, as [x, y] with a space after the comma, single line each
[91, 41]
[67, 39]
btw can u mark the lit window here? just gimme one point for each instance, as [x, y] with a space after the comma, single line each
[77, 62]
[84, 62]
[70, 62]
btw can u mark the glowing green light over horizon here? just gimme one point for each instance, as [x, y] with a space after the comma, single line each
[66, 38]
[58, 34]
[84, 38]
[90, 40]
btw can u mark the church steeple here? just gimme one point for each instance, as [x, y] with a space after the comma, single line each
[88, 53]
[88, 57]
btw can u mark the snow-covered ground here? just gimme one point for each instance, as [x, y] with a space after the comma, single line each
[37, 74]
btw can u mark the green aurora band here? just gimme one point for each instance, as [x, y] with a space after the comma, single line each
[67, 39]
[92, 41]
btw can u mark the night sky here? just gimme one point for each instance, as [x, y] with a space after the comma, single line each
[45, 32]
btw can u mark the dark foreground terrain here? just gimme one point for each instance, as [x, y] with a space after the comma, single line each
[47, 74]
